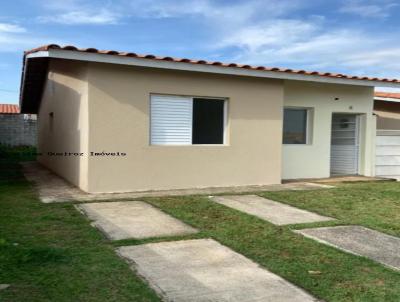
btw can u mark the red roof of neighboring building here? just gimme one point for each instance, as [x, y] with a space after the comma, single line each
[9, 109]
[203, 62]
[390, 95]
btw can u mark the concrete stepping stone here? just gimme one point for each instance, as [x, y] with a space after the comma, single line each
[4, 286]
[272, 211]
[133, 219]
[203, 270]
[361, 241]
[52, 188]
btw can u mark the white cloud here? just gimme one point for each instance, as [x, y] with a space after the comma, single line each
[62, 5]
[277, 33]
[375, 60]
[15, 38]
[387, 89]
[110, 12]
[312, 45]
[11, 28]
[240, 11]
[371, 9]
[80, 12]
[19, 42]
[12, 37]
[264, 32]
[102, 17]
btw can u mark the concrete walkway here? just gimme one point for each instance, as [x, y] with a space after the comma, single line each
[272, 211]
[133, 219]
[53, 188]
[204, 270]
[341, 179]
[358, 240]
[4, 286]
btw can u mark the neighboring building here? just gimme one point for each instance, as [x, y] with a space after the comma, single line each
[387, 110]
[16, 129]
[164, 123]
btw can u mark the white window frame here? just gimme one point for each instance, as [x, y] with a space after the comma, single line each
[225, 119]
[309, 124]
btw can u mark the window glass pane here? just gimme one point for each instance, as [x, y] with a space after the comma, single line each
[295, 126]
[208, 121]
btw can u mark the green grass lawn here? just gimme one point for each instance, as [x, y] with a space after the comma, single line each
[49, 252]
[375, 205]
[325, 272]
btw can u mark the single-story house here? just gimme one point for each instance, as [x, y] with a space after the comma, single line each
[16, 129]
[387, 110]
[113, 121]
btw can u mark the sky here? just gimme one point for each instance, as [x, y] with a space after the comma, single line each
[359, 37]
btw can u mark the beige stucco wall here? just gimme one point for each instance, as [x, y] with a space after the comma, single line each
[105, 107]
[313, 160]
[65, 94]
[119, 101]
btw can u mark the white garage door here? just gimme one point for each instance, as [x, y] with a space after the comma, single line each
[388, 154]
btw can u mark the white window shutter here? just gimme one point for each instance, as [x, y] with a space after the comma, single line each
[171, 120]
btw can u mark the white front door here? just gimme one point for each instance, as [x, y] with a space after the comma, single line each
[344, 144]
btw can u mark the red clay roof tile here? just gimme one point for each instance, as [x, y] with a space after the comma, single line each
[391, 95]
[228, 65]
[9, 109]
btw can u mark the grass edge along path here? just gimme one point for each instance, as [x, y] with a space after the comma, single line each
[49, 252]
[323, 271]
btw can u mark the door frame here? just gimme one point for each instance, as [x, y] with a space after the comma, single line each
[357, 131]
